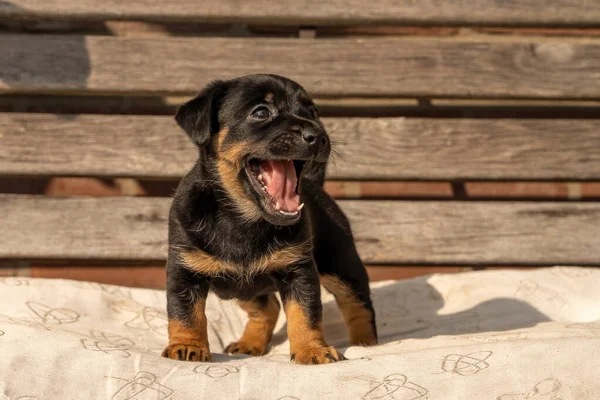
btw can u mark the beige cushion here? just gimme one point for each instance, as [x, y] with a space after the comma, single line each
[508, 335]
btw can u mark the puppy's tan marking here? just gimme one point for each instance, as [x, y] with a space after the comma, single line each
[219, 138]
[307, 343]
[283, 258]
[189, 342]
[269, 97]
[259, 329]
[206, 264]
[357, 317]
[229, 167]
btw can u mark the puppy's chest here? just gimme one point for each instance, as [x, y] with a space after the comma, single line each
[209, 265]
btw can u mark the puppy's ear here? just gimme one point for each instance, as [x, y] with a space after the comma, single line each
[199, 117]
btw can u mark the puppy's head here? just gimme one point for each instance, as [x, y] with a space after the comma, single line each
[257, 133]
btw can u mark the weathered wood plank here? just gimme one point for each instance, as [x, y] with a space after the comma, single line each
[423, 67]
[477, 12]
[372, 148]
[386, 232]
[466, 149]
[93, 145]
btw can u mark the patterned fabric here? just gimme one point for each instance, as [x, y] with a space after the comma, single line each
[503, 335]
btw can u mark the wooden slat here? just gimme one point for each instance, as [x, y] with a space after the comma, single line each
[512, 68]
[147, 276]
[386, 232]
[478, 12]
[375, 149]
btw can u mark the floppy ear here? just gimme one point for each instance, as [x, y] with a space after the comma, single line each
[199, 117]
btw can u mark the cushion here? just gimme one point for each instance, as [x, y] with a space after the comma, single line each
[501, 334]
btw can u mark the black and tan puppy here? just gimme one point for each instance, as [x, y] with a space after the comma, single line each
[252, 218]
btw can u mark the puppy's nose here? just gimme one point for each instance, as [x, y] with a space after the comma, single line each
[314, 138]
[317, 143]
[309, 137]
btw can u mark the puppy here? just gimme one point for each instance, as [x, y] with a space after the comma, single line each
[251, 218]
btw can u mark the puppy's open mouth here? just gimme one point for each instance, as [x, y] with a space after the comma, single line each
[277, 181]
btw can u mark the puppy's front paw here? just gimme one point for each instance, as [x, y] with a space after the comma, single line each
[242, 347]
[317, 355]
[187, 352]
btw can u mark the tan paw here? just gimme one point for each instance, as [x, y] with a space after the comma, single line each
[363, 341]
[242, 347]
[186, 352]
[317, 355]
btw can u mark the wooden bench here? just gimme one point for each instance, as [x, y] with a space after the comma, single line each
[411, 91]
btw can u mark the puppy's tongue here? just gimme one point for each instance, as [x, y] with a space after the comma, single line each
[280, 179]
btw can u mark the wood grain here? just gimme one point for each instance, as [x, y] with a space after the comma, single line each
[386, 232]
[372, 148]
[423, 67]
[147, 276]
[477, 12]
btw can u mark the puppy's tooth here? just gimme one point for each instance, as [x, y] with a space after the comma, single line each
[300, 207]
[288, 212]
[277, 206]
[260, 178]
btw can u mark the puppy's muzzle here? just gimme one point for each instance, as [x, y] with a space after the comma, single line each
[314, 143]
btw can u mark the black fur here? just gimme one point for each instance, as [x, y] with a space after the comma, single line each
[204, 217]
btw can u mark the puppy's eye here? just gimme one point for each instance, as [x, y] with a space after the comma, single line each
[314, 112]
[261, 113]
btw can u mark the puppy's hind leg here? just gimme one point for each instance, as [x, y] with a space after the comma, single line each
[262, 316]
[356, 308]
[341, 269]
